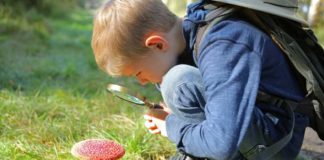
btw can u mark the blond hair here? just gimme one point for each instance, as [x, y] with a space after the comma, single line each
[120, 27]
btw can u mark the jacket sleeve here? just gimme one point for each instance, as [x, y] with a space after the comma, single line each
[231, 71]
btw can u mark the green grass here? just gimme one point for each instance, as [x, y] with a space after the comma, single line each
[45, 126]
[52, 94]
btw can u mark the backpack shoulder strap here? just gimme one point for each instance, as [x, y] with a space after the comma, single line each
[214, 16]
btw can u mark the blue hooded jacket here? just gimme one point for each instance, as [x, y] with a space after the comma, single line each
[236, 60]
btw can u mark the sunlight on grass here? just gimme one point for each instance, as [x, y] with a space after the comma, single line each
[52, 93]
[319, 32]
[46, 126]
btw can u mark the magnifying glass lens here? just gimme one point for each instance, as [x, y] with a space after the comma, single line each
[127, 97]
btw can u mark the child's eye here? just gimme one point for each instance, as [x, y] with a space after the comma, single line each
[138, 74]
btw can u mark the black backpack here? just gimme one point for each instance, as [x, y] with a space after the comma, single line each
[300, 46]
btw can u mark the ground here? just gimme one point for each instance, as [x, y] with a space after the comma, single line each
[313, 147]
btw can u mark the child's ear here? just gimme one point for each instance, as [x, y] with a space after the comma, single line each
[157, 42]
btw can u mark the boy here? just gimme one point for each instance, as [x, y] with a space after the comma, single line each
[211, 95]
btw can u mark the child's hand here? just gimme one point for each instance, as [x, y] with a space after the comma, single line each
[155, 120]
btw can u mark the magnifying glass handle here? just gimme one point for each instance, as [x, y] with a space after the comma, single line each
[157, 106]
[152, 105]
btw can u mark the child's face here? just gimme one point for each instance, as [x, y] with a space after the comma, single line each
[164, 49]
[151, 68]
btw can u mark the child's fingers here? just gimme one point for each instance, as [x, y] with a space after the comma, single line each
[157, 113]
[150, 125]
[154, 125]
[148, 117]
[155, 131]
[162, 104]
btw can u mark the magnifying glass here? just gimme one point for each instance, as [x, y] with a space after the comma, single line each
[124, 94]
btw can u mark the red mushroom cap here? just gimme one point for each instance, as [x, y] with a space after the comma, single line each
[97, 149]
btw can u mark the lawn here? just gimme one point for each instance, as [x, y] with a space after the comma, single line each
[52, 94]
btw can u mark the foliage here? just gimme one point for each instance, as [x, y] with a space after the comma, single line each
[46, 7]
[319, 32]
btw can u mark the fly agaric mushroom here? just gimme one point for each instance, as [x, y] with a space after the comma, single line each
[97, 149]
